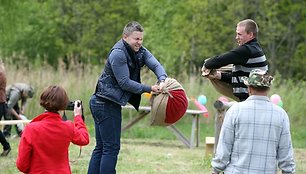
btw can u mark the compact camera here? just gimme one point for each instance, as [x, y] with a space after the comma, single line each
[70, 106]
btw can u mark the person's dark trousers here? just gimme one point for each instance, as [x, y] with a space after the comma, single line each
[7, 128]
[3, 141]
[107, 118]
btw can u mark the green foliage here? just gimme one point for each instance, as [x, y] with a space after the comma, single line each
[282, 25]
[72, 30]
[89, 29]
[183, 33]
[160, 38]
[180, 33]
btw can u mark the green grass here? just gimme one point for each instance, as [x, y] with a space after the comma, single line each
[144, 156]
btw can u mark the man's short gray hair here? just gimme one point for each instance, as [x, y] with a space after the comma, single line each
[250, 26]
[131, 27]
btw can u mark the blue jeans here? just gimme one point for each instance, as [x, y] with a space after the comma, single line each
[107, 117]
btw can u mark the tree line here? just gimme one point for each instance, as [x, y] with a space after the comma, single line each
[180, 33]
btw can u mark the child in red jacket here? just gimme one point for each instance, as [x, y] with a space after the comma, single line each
[45, 141]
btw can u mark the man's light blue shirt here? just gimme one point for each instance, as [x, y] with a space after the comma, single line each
[255, 138]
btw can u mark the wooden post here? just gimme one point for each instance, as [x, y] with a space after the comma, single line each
[209, 146]
[219, 117]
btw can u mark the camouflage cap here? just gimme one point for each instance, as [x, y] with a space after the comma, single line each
[258, 78]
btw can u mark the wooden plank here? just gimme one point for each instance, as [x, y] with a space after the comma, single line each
[141, 108]
[192, 112]
[194, 137]
[13, 122]
[148, 108]
[210, 140]
[179, 135]
[135, 120]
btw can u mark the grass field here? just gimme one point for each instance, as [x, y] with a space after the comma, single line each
[144, 156]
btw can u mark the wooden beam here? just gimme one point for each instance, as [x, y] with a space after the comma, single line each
[13, 122]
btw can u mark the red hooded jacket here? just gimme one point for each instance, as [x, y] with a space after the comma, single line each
[44, 144]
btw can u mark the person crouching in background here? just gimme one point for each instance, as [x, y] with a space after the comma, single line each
[45, 140]
[15, 93]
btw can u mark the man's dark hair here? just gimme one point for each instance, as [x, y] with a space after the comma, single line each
[260, 88]
[131, 27]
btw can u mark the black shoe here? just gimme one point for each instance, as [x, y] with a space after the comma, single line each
[5, 152]
[6, 135]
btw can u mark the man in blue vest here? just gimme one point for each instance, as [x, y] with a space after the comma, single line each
[119, 84]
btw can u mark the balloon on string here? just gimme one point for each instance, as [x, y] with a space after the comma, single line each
[280, 103]
[202, 99]
[223, 99]
[275, 98]
[201, 107]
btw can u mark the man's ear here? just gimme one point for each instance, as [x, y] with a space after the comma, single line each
[251, 34]
[124, 36]
[249, 90]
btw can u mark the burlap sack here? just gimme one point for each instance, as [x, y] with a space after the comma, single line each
[164, 113]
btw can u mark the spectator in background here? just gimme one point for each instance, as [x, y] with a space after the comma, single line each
[248, 56]
[45, 141]
[15, 93]
[255, 135]
[3, 106]
[118, 84]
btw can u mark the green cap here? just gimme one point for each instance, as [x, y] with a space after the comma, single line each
[258, 78]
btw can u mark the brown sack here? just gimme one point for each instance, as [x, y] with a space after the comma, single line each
[163, 113]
